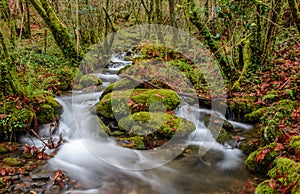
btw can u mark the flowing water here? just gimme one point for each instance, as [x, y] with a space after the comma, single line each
[102, 166]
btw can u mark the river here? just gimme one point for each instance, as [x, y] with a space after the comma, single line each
[103, 166]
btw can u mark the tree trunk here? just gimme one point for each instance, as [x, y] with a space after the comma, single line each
[59, 30]
[194, 18]
[295, 13]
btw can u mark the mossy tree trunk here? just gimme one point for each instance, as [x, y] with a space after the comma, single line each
[295, 12]
[227, 69]
[58, 29]
[9, 83]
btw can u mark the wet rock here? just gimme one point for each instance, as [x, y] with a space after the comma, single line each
[40, 176]
[90, 80]
[120, 103]
[39, 183]
[228, 126]
[152, 129]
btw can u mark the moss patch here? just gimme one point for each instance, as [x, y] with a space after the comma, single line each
[260, 160]
[122, 102]
[155, 128]
[285, 174]
[90, 80]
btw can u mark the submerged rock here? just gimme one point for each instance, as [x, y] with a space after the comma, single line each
[121, 103]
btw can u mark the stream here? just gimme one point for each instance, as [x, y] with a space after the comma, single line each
[101, 165]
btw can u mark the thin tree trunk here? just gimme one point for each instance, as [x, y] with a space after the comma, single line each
[227, 69]
[295, 12]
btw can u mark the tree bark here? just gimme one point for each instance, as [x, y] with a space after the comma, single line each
[194, 18]
[59, 30]
[295, 12]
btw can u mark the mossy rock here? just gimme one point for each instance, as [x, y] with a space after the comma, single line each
[162, 125]
[46, 114]
[264, 188]
[241, 107]
[289, 171]
[13, 161]
[121, 84]
[260, 160]
[54, 104]
[90, 80]
[3, 149]
[295, 143]
[120, 103]
[224, 136]
[270, 126]
[256, 115]
[146, 130]
[135, 142]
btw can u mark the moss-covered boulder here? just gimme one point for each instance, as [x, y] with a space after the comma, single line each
[120, 103]
[240, 107]
[122, 84]
[260, 160]
[224, 136]
[90, 80]
[270, 125]
[295, 144]
[256, 115]
[46, 114]
[154, 129]
[285, 176]
[55, 105]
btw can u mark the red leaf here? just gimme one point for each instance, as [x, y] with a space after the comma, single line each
[272, 183]
[261, 155]
[3, 172]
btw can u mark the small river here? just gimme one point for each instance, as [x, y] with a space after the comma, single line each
[102, 166]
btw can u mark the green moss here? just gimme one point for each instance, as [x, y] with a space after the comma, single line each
[160, 124]
[13, 161]
[256, 115]
[90, 80]
[270, 97]
[224, 136]
[104, 127]
[289, 170]
[3, 149]
[295, 143]
[264, 187]
[77, 76]
[136, 142]
[46, 114]
[119, 85]
[241, 107]
[266, 154]
[54, 104]
[270, 125]
[121, 102]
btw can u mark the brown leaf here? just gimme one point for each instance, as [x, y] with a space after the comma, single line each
[272, 183]
[261, 155]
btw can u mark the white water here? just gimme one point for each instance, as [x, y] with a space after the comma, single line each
[102, 165]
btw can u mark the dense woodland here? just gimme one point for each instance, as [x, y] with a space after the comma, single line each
[256, 44]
